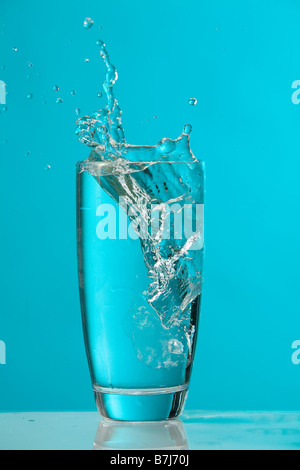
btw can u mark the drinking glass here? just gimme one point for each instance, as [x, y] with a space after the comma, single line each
[140, 250]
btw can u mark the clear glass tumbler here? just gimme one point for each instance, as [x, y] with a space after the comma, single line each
[140, 249]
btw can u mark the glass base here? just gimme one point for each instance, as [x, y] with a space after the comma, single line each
[155, 404]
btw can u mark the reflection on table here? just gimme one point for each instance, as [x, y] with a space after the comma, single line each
[161, 435]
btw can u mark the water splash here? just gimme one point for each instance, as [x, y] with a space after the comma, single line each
[174, 271]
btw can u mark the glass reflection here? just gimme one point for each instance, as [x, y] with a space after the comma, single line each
[160, 435]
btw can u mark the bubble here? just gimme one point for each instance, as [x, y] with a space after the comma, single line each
[175, 346]
[3, 108]
[27, 154]
[3, 67]
[77, 111]
[15, 49]
[88, 23]
[47, 167]
[193, 101]
[187, 129]
[30, 64]
[59, 101]
[56, 88]
[86, 60]
[166, 146]
[155, 117]
[100, 43]
[73, 92]
[99, 94]
[29, 96]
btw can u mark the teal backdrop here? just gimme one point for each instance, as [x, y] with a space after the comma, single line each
[240, 59]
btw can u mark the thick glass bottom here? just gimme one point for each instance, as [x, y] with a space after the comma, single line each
[155, 404]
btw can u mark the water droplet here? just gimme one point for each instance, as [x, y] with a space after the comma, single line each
[29, 96]
[77, 111]
[27, 154]
[73, 92]
[99, 94]
[100, 28]
[193, 101]
[100, 43]
[3, 67]
[59, 101]
[47, 167]
[88, 23]
[5, 142]
[86, 60]
[56, 88]
[187, 129]
[30, 65]
[155, 117]
[15, 49]
[175, 346]
[3, 108]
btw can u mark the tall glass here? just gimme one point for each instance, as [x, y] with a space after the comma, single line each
[140, 250]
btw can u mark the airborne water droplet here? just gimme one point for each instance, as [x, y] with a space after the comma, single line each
[187, 129]
[193, 101]
[100, 94]
[77, 111]
[15, 49]
[86, 60]
[30, 65]
[59, 101]
[88, 23]
[73, 92]
[56, 88]
[47, 167]
[29, 96]
[100, 43]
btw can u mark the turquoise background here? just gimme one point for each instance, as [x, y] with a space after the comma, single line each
[239, 59]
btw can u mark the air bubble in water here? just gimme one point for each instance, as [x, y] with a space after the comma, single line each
[73, 92]
[29, 96]
[88, 23]
[175, 346]
[59, 101]
[47, 167]
[193, 101]
[56, 88]
[187, 129]
[15, 49]
[99, 94]
[100, 43]
[2, 67]
[77, 111]
[30, 65]
[86, 60]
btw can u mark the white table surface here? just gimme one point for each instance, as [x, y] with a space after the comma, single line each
[195, 430]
